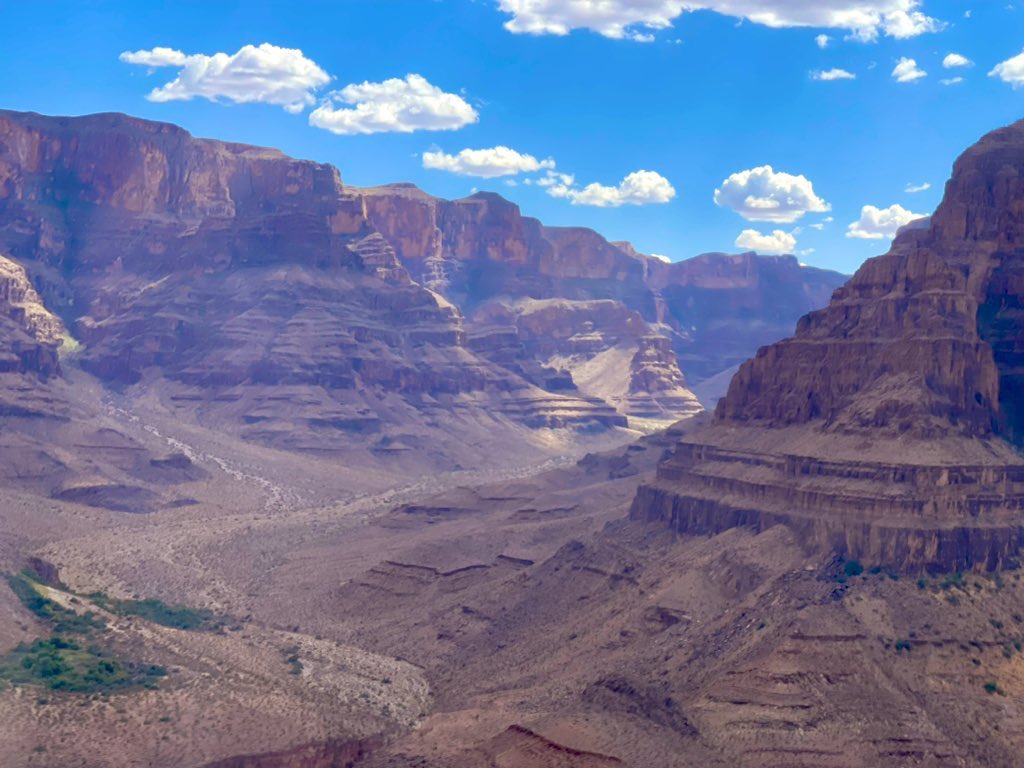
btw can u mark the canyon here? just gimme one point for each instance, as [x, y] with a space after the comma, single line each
[440, 475]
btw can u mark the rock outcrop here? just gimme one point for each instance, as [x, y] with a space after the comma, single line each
[30, 337]
[886, 427]
[259, 295]
[518, 281]
[245, 285]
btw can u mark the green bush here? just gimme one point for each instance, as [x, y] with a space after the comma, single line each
[853, 568]
[61, 664]
[73, 659]
[159, 612]
[63, 621]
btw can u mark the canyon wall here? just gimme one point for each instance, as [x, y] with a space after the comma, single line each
[886, 428]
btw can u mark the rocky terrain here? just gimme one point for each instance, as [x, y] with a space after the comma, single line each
[564, 297]
[822, 572]
[887, 427]
[236, 289]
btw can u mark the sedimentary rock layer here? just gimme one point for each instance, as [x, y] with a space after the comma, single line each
[884, 427]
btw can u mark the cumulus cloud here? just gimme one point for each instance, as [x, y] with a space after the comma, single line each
[486, 163]
[661, 257]
[1010, 71]
[913, 189]
[761, 194]
[635, 19]
[907, 71]
[833, 74]
[951, 80]
[881, 223]
[953, 60]
[822, 41]
[393, 106]
[638, 188]
[264, 73]
[775, 243]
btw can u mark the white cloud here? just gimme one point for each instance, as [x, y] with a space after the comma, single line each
[618, 19]
[881, 223]
[635, 19]
[833, 74]
[553, 179]
[393, 106]
[913, 189]
[761, 194]
[951, 80]
[956, 60]
[638, 188]
[265, 73]
[907, 71]
[774, 243]
[822, 41]
[661, 257]
[486, 163]
[1010, 71]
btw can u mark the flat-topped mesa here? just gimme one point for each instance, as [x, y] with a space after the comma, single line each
[885, 427]
[243, 280]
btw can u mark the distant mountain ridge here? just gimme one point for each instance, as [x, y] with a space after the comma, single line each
[259, 295]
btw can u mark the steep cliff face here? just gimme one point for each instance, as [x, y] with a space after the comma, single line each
[711, 312]
[248, 286]
[932, 323]
[878, 429]
[29, 334]
[30, 337]
[728, 306]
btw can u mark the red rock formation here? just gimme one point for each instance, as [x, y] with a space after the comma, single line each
[931, 323]
[716, 309]
[878, 428]
[219, 266]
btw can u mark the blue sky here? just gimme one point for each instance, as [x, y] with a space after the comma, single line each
[699, 100]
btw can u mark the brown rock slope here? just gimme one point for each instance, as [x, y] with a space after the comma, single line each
[52, 439]
[886, 427]
[246, 288]
[519, 282]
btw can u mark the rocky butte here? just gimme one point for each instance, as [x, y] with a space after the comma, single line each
[889, 426]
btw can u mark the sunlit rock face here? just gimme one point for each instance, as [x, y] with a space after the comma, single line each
[565, 297]
[885, 426]
[251, 284]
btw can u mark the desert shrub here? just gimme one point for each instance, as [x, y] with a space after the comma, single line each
[62, 664]
[159, 612]
[853, 568]
[61, 619]
[992, 687]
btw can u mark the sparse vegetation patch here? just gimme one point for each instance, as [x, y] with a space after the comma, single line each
[159, 612]
[63, 664]
[76, 657]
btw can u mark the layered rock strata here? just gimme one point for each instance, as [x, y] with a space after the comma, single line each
[480, 253]
[886, 427]
[250, 286]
